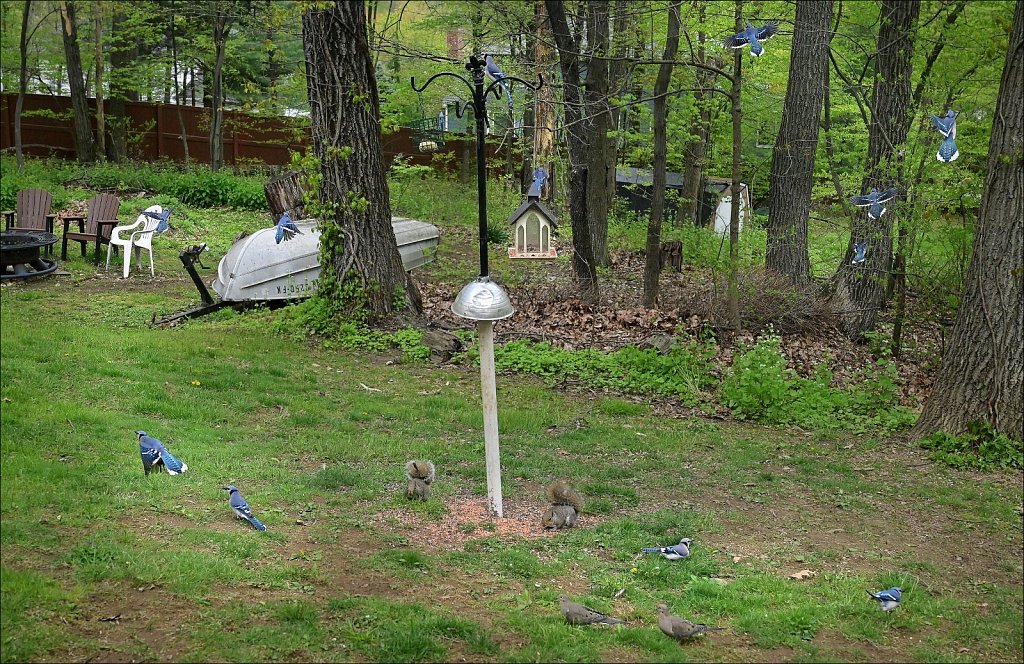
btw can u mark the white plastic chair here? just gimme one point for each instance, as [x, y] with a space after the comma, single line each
[140, 237]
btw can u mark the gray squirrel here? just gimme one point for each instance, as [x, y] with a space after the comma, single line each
[420, 475]
[565, 506]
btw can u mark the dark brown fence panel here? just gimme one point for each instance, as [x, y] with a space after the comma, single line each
[155, 133]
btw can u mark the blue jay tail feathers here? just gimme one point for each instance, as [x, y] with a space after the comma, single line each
[256, 523]
[565, 506]
[420, 475]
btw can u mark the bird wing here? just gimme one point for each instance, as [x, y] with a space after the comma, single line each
[172, 463]
[863, 201]
[739, 40]
[888, 595]
[887, 195]
[768, 30]
[941, 124]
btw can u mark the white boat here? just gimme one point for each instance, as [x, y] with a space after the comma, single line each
[256, 268]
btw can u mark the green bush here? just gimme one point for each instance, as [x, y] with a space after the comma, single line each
[980, 448]
[684, 372]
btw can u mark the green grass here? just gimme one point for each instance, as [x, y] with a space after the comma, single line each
[337, 576]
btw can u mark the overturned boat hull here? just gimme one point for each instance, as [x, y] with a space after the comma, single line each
[257, 268]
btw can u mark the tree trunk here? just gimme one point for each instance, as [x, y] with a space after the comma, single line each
[178, 92]
[583, 263]
[221, 24]
[696, 148]
[544, 122]
[792, 173]
[22, 85]
[621, 24]
[652, 259]
[596, 101]
[982, 373]
[355, 216]
[101, 126]
[735, 319]
[85, 148]
[859, 291]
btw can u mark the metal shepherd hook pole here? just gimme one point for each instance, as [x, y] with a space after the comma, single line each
[482, 300]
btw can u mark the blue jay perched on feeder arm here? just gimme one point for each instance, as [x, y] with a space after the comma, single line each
[754, 37]
[495, 72]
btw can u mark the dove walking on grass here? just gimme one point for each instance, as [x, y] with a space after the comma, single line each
[754, 37]
[678, 628]
[155, 454]
[577, 614]
[947, 127]
[873, 201]
[888, 599]
[286, 228]
[242, 509]
[673, 552]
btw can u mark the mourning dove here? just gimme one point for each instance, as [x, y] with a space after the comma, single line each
[577, 614]
[678, 628]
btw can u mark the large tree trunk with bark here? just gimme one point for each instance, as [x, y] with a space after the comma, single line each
[859, 291]
[123, 51]
[221, 22]
[101, 127]
[696, 148]
[544, 122]
[22, 85]
[577, 137]
[652, 260]
[733, 296]
[982, 373]
[792, 173]
[85, 146]
[596, 101]
[357, 242]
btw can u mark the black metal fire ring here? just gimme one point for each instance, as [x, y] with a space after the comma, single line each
[20, 254]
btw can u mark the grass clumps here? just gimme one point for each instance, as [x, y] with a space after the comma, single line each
[981, 447]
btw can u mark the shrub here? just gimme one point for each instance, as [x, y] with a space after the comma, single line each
[980, 448]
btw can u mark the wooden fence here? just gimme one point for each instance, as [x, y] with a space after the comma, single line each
[155, 133]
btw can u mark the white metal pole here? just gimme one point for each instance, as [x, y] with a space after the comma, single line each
[485, 330]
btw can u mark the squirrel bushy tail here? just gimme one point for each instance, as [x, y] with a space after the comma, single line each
[420, 475]
[565, 506]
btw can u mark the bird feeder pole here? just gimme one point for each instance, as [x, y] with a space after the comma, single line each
[482, 300]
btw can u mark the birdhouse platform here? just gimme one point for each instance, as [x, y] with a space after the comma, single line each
[533, 227]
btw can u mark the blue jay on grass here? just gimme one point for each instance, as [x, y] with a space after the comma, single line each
[888, 599]
[242, 509]
[498, 75]
[873, 201]
[155, 454]
[286, 228]
[859, 253]
[673, 552]
[754, 37]
[947, 127]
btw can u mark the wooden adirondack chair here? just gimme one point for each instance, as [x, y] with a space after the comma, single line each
[32, 212]
[94, 227]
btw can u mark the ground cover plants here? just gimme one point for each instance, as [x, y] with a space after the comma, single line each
[102, 562]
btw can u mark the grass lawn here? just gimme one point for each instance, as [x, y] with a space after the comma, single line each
[101, 563]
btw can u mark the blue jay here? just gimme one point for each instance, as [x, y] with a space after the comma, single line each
[286, 228]
[754, 37]
[947, 127]
[889, 599]
[498, 75]
[155, 454]
[539, 177]
[859, 253]
[242, 509]
[674, 552]
[163, 217]
[874, 200]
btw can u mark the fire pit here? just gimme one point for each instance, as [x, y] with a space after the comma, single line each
[20, 256]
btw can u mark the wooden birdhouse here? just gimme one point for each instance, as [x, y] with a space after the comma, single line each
[533, 227]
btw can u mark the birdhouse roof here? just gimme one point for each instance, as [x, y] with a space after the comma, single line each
[534, 204]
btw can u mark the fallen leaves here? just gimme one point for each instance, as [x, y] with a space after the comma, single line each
[802, 575]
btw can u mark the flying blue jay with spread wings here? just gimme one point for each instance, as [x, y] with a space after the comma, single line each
[242, 509]
[888, 599]
[754, 37]
[947, 127]
[673, 552]
[155, 454]
[163, 217]
[873, 201]
[286, 228]
[495, 72]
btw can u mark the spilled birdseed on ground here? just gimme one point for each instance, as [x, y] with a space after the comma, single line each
[467, 519]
